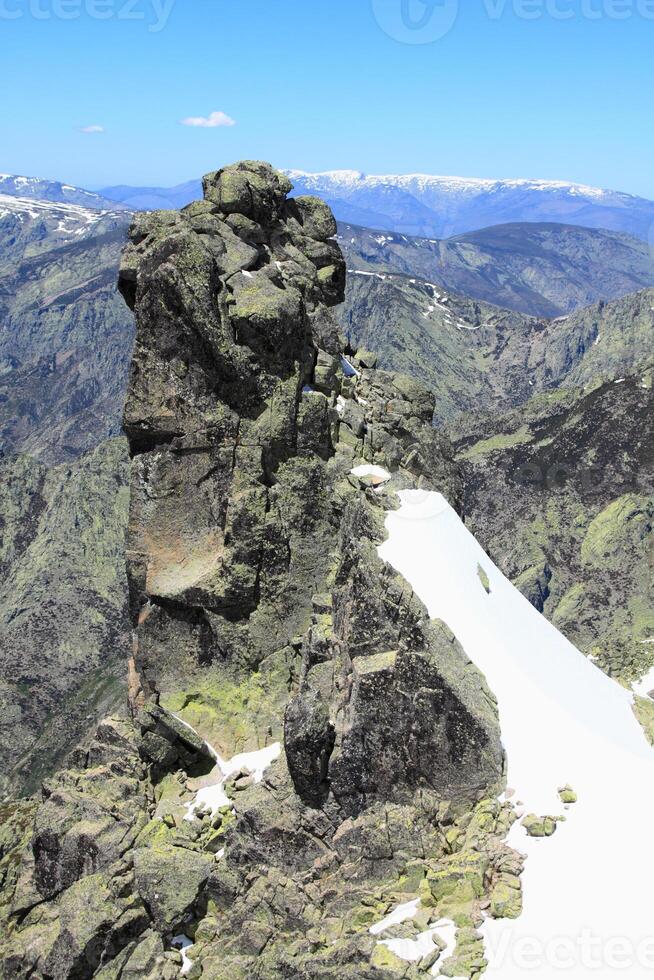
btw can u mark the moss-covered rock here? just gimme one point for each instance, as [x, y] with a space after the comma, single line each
[506, 898]
[540, 826]
[169, 880]
[579, 541]
[567, 795]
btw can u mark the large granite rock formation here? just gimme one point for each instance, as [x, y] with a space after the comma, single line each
[262, 613]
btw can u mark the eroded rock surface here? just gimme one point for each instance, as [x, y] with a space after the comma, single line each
[262, 613]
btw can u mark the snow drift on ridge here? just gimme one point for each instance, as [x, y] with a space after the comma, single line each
[588, 907]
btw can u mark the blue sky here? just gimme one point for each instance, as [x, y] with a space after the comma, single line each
[511, 90]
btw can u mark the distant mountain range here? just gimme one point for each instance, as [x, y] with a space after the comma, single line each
[154, 198]
[410, 204]
[539, 269]
[419, 204]
[476, 357]
[66, 334]
[438, 207]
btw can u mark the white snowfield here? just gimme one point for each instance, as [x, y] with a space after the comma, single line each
[588, 890]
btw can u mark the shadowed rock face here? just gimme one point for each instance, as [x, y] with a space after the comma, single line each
[261, 612]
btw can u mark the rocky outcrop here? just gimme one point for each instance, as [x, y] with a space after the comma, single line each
[242, 510]
[262, 613]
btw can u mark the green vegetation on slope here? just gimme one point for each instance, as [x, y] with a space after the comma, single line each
[66, 334]
[562, 496]
[63, 618]
[477, 358]
[540, 269]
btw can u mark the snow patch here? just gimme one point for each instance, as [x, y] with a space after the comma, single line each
[367, 469]
[348, 369]
[183, 944]
[398, 915]
[79, 219]
[372, 275]
[413, 950]
[213, 796]
[645, 685]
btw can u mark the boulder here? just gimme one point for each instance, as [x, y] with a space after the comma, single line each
[169, 880]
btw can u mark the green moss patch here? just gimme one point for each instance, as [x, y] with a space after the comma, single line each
[237, 715]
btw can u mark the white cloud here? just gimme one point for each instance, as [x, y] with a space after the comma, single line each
[91, 129]
[212, 121]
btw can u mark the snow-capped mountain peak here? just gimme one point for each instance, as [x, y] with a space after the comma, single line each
[351, 179]
[440, 206]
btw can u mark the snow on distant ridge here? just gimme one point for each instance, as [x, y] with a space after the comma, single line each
[12, 203]
[356, 180]
[69, 221]
[432, 206]
[54, 191]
